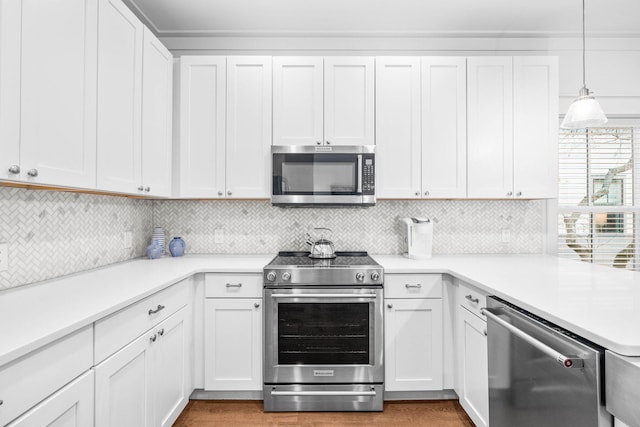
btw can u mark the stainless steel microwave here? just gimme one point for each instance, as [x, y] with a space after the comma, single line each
[323, 175]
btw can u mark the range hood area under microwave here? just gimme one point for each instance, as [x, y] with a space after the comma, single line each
[323, 175]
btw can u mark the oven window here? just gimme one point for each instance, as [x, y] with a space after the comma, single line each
[315, 174]
[323, 333]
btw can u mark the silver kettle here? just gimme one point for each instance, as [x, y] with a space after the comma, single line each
[321, 248]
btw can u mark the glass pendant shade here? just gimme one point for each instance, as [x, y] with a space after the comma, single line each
[584, 112]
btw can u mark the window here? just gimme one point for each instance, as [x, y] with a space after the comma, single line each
[598, 208]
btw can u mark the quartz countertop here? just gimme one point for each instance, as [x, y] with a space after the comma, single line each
[602, 304]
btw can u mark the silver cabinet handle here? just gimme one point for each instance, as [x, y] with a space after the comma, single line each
[417, 193]
[161, 332]
[519, 193]
[323, 393]
[141, 188]
[147, 189]
[153, 338]
[389, 305]
[323, 295]
[229, 193]
[33, 173]
[565, 361]
[234, 285]
[510, 193]
[1, 402]
[472, 299]
[256, 305]
[158, 309]
[426, 193]
[319, 142]
[417, 285]
[328, 142]
[15, 170]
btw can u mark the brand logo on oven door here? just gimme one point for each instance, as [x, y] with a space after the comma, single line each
[327, 149]
[323, 372]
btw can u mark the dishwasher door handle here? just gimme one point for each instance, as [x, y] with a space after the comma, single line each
[564, 361]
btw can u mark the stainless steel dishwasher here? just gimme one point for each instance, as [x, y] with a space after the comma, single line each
[541, 374]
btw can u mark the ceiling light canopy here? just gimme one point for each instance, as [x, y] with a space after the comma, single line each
[585, 110]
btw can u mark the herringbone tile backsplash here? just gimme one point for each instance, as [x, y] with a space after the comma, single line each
[51, 234]
[460, 226]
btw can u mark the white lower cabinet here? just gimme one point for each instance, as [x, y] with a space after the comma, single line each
[233, 332]
[473, 374]
[413, 332]
[145, 383]
[233, 344]
[71, 406]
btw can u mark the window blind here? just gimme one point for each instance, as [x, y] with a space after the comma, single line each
[598, 208]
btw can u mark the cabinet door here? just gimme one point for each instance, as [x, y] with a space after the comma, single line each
[120, 44]
[157, 110]
[535, 127]
[10, 28]
[473, 367]
[170, 368]
[201, 157]
[398, 145]
[58, 95]
[123, 382]
[413, 344]
[233, 344]
[490, 127]
[297, 100]
[444, 127]
[349, 100]
[71, 406]
[248, 126]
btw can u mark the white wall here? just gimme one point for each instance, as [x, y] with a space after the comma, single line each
[613, 64]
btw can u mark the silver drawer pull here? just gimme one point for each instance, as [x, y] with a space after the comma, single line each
[564, 361]
[323, 393]
[413, 286]
[472, 299]
[161, 332]
[153, 338]
[1, 402]
[157, 310]
[234, 285]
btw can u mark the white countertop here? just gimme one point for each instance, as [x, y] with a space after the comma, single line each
[601, 304]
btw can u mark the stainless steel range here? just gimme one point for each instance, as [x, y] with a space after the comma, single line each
[323, 333]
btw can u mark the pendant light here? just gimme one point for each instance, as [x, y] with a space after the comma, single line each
[584, 111]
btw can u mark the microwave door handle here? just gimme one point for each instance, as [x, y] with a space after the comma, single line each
[359, 177]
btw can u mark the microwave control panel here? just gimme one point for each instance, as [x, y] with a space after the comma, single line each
[368, 174]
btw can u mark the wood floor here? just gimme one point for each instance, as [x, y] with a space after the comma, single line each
[433, 413]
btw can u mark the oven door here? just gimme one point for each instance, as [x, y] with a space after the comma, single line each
[323, 335]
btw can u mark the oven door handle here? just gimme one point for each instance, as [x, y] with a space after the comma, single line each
[323, 296]
[323, 393]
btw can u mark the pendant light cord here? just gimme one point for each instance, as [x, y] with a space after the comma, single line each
[584, 66]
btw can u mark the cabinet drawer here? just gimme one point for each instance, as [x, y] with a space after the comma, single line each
[472, 299]
[32, 378]
[122, 327]
[233, 286]
[413, 286]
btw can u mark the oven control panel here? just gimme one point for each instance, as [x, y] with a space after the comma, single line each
[320, 276]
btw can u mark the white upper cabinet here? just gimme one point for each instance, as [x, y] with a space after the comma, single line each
[249, 120]
[47, 92]
[444, 127]
[490, 127]
[10, 28]
[200, 163]
[535, 126]
[320, 100]
[298, 100]
[157, 110]
[421, 127]
[120, 44]
[398, 139]
[512, 127]
[349, 100]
